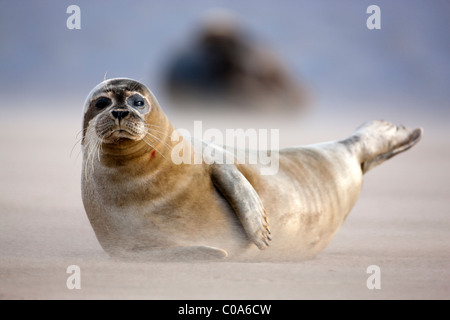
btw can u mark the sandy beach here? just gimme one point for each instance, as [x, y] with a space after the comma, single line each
[400, 223]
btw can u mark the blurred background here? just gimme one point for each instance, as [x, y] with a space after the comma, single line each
[324, 46]
[311, 69]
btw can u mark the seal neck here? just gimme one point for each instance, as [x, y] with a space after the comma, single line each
[123, 151]
[142, 155]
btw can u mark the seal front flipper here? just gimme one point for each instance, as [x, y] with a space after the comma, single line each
[244, 200]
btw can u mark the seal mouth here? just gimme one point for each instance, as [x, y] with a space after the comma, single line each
[114, 131]
[119, 134]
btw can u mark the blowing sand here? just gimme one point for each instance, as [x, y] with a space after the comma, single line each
[401, 223]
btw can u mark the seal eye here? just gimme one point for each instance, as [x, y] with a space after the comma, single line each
[102, 103]
[139, 103]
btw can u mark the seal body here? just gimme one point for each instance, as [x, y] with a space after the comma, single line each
[309, 198]
[143, 205]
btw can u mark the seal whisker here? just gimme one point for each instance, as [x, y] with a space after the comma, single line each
[156, 130]
[75, 144]
[153, 147]
[165, 144]
[152, 144]
[152, 125]
[164, 135]
[88, 159]
[95, 149]
[80, 132]
[99, 148]
[92, 148]
[150, 138]
[78, 139]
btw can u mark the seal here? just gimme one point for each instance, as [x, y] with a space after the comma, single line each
[142, 205]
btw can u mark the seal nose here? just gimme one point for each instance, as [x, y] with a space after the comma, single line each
[119, 114]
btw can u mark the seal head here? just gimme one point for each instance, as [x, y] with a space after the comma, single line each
[119, 108]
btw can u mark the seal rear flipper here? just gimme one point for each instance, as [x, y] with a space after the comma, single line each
[378, 141]
[244, 200]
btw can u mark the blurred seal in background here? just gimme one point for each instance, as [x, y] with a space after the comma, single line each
[224, 65]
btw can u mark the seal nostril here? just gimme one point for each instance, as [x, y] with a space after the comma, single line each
[119, 114]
